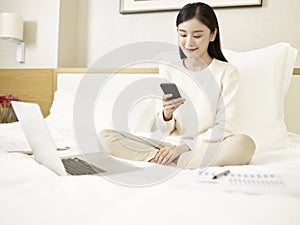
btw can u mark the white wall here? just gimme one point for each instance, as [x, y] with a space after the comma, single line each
[292, 110]
[68, 33]
[108, 29]
[241, 28]
[248, 28]
[40, 33]
[83, 30]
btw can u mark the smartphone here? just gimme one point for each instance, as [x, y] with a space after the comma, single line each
[170, 88]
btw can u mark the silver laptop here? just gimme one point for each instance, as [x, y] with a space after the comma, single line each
[45, 152]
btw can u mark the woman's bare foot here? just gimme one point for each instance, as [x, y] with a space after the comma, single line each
[152, 160]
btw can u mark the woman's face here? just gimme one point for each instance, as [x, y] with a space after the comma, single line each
[194, 37]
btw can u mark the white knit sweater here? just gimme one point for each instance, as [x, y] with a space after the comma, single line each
[209, 110]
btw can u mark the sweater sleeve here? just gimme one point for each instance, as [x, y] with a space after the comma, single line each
[166, 127]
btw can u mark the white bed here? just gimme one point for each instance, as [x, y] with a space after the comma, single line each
[32, 194]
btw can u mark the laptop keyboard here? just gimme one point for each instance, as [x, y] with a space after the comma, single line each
[76, 166]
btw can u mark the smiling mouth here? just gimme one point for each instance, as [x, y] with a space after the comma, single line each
[191, 49]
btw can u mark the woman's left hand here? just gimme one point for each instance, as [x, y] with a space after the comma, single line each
[168, 154]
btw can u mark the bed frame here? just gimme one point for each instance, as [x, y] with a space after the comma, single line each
[39, 85]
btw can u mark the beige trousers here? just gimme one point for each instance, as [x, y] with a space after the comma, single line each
[236, 149]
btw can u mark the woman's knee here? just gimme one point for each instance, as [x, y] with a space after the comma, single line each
[104, 139]
[105, 132]
[248, 147]
[237, 149]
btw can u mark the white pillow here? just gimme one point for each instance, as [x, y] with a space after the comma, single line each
[265, 75]
[61, 111]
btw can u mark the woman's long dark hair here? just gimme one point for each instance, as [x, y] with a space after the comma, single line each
[206, 15]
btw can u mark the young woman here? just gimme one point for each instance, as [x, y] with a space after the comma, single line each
[215, 140]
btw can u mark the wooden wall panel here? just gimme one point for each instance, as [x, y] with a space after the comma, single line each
[30, 85]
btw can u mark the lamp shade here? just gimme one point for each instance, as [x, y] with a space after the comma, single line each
[11, 26]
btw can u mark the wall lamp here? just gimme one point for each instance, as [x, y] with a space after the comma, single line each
[11, 29]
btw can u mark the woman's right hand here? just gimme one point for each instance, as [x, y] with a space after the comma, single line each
[169, 106]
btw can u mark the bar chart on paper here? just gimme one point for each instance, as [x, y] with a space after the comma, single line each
[249, 180]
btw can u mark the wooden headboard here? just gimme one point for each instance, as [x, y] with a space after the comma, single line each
[30, 85]
[39, 85]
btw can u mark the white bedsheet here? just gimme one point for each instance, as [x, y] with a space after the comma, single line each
[32, 194]
[12, 132]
